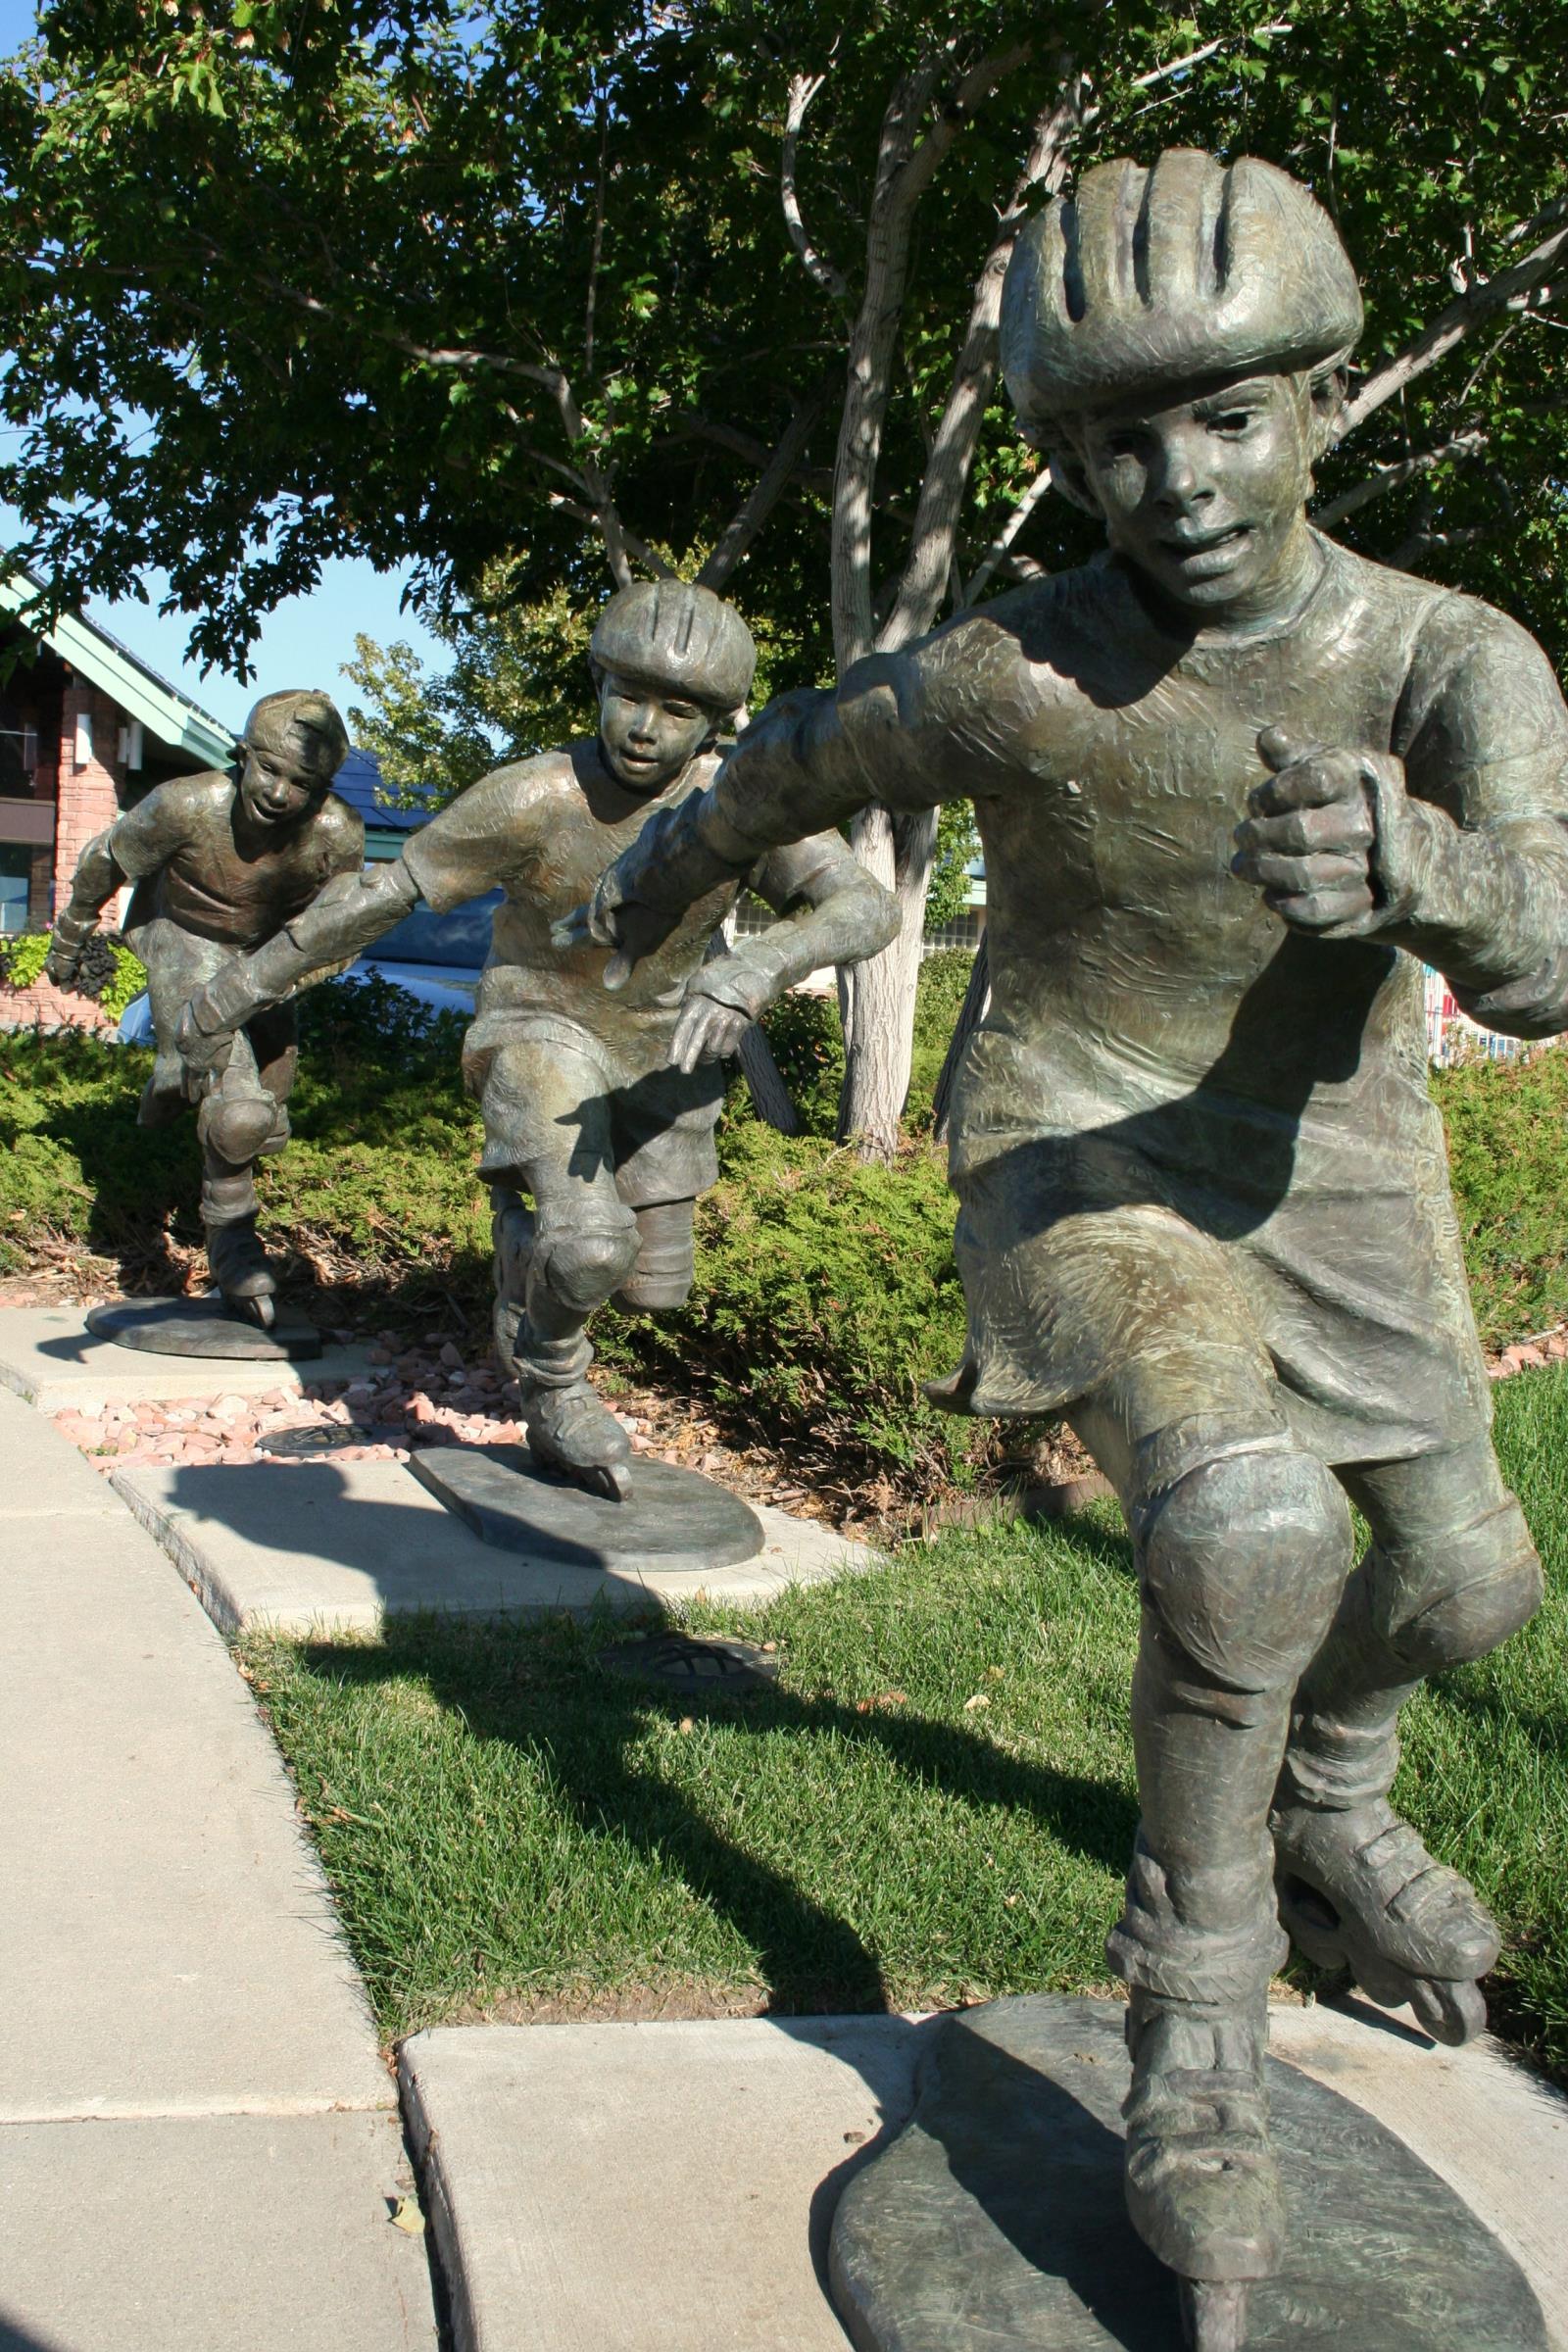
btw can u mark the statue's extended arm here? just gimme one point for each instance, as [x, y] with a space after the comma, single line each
[831, 912]
[344, 918]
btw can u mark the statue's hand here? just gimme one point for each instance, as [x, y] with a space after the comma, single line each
[62, 965]
[722, 1002]
[1313, 840]
[204, 1042]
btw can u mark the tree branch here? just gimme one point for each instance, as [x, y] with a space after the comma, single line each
[995, 555]
[906, 166]
[1510, 289]
[597, 253]
[803, 90]
[1466, 444]
[1196, 57]
[775, 478]
[627, 542]
[930, 558]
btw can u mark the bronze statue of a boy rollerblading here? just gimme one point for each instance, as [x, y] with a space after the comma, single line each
[601, 1109]
[218, 861]
[1234, 784]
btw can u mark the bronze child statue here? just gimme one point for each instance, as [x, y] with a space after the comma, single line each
[217, 862]
[1234, 783]
[601, 1108]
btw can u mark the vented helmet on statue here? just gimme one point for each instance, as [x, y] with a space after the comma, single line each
[677, 635]
[1146, 279]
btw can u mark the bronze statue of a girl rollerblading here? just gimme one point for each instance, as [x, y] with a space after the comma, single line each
[1234, 785]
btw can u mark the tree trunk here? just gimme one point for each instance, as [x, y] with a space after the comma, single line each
[971, 1013]
[877, 997]
[770, 1096]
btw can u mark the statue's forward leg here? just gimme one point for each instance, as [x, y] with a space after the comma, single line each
[1242, 1540]
[551, 1276]
[239, 1121]
[547, 1109]
[1452, 1572]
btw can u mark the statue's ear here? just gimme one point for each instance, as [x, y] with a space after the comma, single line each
[1327, 393]
[1069, 477]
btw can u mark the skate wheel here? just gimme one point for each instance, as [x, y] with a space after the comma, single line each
[1454, 2013]
[261, 1310]
[615, 1482]
[1214, 2314]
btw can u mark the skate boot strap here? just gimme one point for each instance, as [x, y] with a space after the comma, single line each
[1185, 2104]
[1409, 1882]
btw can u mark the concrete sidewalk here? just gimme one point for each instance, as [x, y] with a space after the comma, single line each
[197, 2136]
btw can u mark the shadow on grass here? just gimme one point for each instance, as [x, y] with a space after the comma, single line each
[586, 1721]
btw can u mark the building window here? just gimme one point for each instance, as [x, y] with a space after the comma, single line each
[15, 874]
[18, 752]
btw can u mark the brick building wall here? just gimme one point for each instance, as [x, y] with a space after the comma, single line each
[46, 1007]
[87, 792]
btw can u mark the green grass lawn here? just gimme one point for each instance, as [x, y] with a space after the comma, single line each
[935, 1804]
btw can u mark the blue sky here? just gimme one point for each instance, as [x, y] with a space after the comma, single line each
[303, 642]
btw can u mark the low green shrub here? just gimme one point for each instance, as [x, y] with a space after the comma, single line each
[1507, 1130]
[826, 1292]
[826, 1289]
[807, 1036]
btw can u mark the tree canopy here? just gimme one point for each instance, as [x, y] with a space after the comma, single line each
[539, 295]
[570, 290]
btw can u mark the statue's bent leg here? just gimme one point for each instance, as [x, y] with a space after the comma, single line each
[177, 964]
[544, 1107]
[238, 1122]
[1243, 1543]
[661, 1278]
[1452, 1573]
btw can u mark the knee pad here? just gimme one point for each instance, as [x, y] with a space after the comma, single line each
[1242, 1562]
[662, 1274]
[239, 1128]
[1456, 1597]
[579, 1271]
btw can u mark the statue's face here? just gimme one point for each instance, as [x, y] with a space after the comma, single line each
[276, 791]
[1207, 497]
[648, 731]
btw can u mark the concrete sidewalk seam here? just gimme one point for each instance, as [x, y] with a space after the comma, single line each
[194, 2111]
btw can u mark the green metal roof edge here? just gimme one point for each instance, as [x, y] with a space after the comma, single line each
[172, 717]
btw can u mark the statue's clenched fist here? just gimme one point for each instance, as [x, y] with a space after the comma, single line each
[1317, 839]
[62, 965]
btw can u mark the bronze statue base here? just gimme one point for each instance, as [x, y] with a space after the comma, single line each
[203, 1327]
[997, 2215]
[672, 1522]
